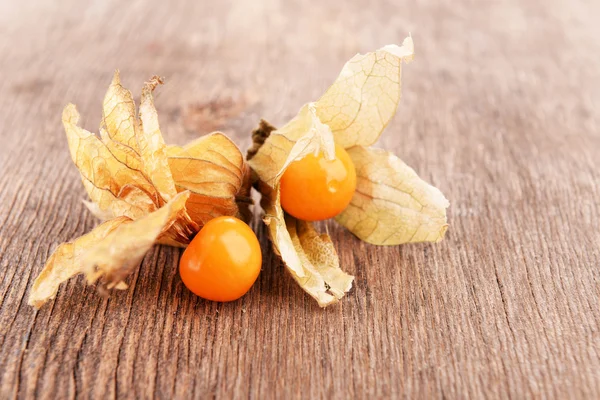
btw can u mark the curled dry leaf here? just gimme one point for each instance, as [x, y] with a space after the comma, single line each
[119, 124]
[106, 179]
[110, 251]
[215, 191]
[65, 262]
[391, 204]
[115, 256]
[303, 135]
[153, 150]
[214, 171]
[364, 97]
[309, 256]
[147, 192]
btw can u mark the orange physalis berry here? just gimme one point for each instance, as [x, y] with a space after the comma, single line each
[314, 188]
[222, 261]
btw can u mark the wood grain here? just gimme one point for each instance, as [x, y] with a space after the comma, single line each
[501, 110]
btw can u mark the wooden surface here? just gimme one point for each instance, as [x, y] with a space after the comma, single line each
[500, 110]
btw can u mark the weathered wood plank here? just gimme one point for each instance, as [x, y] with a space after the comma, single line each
[500, 110]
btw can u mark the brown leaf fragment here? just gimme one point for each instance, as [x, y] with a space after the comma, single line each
[243, 198]
[108, 206]
[181, 232]
[259, 135]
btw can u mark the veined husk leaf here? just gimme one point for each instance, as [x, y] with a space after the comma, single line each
[107, 180]
[392, 205]
[111, 251]
[147, 191]
[364, 97]
[118, 129]
[303, 135]
[309, 257]
[214, 171]
[65, 262]
[114, 256]
[153, 150]
[354, 111]
[136, 168]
